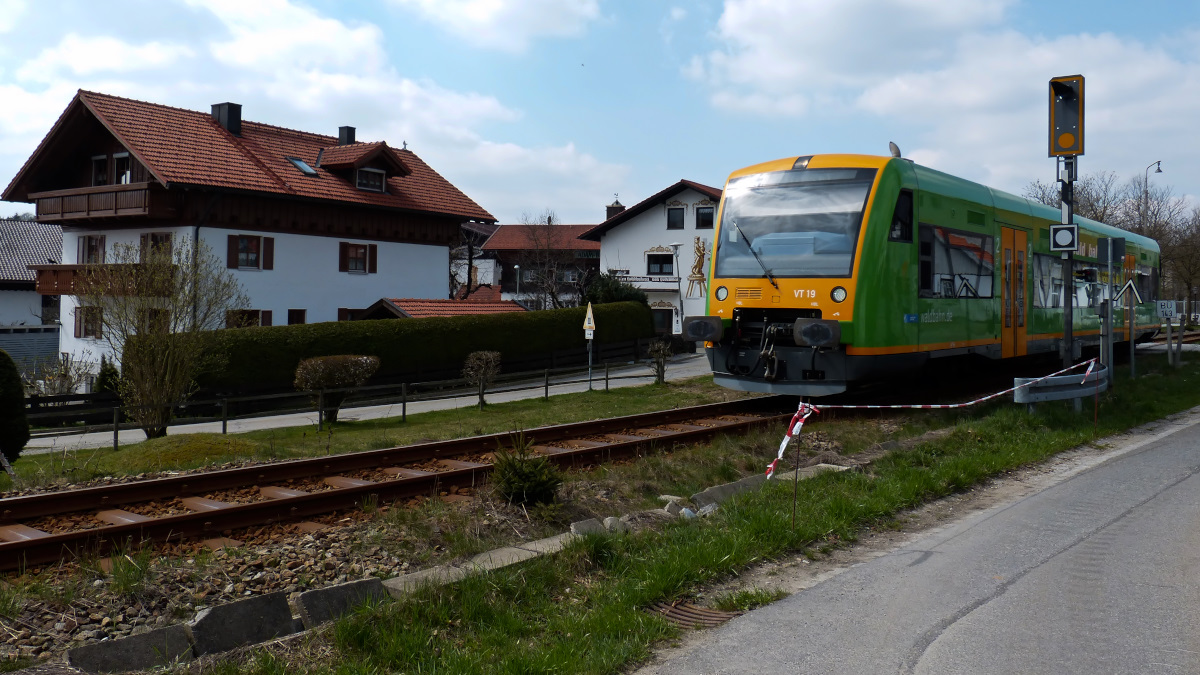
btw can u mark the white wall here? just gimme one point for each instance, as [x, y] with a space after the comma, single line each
[20, 308]
[626, 246]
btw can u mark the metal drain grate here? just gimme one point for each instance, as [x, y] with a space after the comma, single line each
[687, 615]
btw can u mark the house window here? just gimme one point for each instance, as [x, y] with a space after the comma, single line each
[303, 166]
[122, 169]
[50, 306]
[91, 249]
[89, 322]
[370, 179]
[704, 217]
[297, 316]
[249, 249]
[568, 276]
[358, 258]
[100, 170]
[245, 318]
[660, 264]
[675, 218]
[156, 243]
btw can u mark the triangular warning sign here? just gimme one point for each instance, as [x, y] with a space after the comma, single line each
[590, 322]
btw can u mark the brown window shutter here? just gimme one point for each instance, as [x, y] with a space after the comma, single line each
[80, 252]
[79, 322]
[268, 256]
[231, 258]
[265, 318]
[343, 257]
[372, 258]
[103, 252]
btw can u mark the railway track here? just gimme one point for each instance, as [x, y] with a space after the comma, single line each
[53, 526]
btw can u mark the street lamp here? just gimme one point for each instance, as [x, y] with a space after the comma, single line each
[517, 269]
[675, 247]
[1146, 192]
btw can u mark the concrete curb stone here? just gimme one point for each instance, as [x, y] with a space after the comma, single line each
[317, 606]
[245, 622]
[160, 647]
[719, 493]
[400, 586]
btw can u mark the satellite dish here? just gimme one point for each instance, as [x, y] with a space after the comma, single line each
[894, 148]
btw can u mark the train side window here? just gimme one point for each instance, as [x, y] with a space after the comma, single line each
[955, 264]
[902, 218]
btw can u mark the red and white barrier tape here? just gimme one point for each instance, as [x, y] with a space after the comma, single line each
[807, 409]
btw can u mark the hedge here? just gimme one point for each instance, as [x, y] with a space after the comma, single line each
[14, 426]
[265, 357]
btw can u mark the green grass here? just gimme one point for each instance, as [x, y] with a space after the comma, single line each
[190, 451]
[581, 611]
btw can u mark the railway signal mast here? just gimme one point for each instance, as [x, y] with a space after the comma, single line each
[1066, 144]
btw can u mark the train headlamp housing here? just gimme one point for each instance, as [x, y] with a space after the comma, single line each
[722, 293]
[838, 294]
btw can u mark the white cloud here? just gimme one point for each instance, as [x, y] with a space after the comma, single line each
[10, 12]
[507, 25]
[76, 56]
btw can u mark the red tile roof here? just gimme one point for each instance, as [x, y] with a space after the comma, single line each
[357, 154]
[486, 293]
[712, 193]
[187, 147]
[417, 308]
[529, 237]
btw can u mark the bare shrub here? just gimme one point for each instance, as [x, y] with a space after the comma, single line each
[480, 369]
[335, 372]
[659, 351]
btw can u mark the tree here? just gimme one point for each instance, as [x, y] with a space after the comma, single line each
[1183, 270]
[1097, 196]
[463, 254]
[14, 426]
[608, 287]
[550, 259]
[152, 303]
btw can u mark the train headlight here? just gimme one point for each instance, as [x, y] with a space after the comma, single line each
[838, 294]
[722, 293]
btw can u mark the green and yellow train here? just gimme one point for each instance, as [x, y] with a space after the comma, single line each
[832, 270]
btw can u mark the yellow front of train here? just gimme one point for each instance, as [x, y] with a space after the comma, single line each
[782, 276]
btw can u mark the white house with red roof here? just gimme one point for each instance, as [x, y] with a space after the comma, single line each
[312, 225]
[662, 245]
[534, 260]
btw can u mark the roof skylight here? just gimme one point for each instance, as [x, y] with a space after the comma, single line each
[303, 166]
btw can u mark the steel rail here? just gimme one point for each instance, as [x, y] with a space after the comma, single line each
[97, 541]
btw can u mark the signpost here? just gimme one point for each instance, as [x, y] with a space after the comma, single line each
[589, 331]
[1166, 310]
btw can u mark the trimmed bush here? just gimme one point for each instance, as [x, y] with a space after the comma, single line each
[268, 356]
[334, 372]
[14, 426]
[480, 369]
[608, 287]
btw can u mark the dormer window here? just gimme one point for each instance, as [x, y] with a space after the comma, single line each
[371, 179]
[303, 166]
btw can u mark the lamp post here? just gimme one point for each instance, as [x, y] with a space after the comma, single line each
[678, 288]
[1146, 192]
[517, 270]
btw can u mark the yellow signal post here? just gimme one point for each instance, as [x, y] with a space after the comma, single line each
[1066, 116]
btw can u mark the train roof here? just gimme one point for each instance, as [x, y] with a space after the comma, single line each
[950, 184]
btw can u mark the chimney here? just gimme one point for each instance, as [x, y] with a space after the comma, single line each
[613, 209]
[228, 115]
[345, 135]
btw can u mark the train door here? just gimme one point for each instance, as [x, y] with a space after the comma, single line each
[1013, 266]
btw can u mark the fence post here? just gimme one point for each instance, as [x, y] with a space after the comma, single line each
[321, 410]
[481, 393]
[547, 384]
[224, 414]
[116, 426]
[403, 401]
[606, 377]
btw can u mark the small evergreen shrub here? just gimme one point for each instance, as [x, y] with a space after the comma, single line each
[109, 378]
[14, 426]
[334, 372]
[522, 477]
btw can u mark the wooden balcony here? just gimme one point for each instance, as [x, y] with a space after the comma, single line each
[65, 280]
[102, 202]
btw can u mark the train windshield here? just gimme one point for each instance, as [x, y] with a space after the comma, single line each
[792, 223]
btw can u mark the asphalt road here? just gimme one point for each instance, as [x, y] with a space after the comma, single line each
[1098, 573]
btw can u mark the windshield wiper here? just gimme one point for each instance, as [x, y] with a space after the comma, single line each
[770, 277]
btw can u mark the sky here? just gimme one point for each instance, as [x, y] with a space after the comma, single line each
[535, 105]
